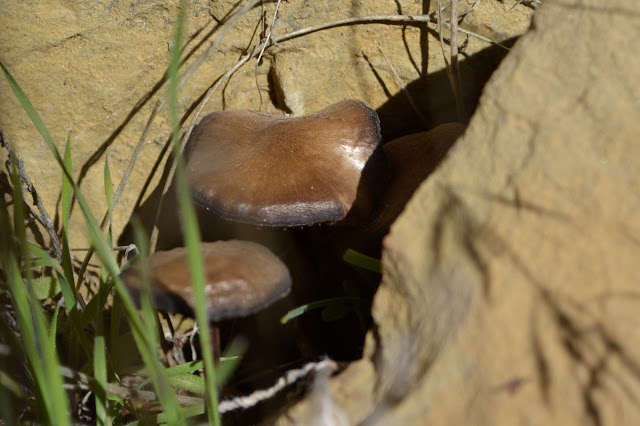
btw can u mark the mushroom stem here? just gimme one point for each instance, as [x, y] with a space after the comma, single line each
[214, 333]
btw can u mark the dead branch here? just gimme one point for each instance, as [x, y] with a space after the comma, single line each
[41, 216]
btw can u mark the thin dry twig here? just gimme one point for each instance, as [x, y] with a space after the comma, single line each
[376, 19]
[404, 89]
[273, 24]
[527, 1]
[379, 19]
[478, 36]
[264, 46]
[439, 29]
[448, 67]
[226, 27]
[42, 215]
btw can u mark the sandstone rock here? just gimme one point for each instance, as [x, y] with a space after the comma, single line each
[510, 291]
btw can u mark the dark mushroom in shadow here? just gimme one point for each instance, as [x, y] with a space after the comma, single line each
[259, 177]
[242, 278]
[412, 158]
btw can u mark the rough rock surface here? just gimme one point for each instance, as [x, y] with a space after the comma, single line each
[96, 69]
[511, 288]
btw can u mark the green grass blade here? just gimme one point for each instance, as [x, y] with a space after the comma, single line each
[43, 361]
[191, 231]
[157, 373]
[188, 382]
[363, 261]
[187, 367]
[8, 386]
[99, 345]
[147, 351]
[319, 304]
[187, 412]
[230, 360]
[100, 374]
[180, 375]
[224, 369]
[66, 197]
[42, 258]
[196, 268]
[144, 343]
[116, 315]
[53, 329]
[108, 190]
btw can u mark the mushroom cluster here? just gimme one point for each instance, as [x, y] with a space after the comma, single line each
[270, 172]
[255, 175]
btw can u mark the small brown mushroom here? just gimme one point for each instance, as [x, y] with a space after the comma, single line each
[242, 278]
[412, 159]
[267, 170]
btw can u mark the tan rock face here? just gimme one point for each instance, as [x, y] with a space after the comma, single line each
[511, 279]
[96, 69]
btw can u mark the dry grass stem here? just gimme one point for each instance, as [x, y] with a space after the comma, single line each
[478, 36]
[271, 27]
[226, 27]
[450, 75]
[377, 19]
[455, 65]
[264, 46]
[527, 1]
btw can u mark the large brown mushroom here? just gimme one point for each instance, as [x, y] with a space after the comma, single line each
[242, 278]
[268, 170]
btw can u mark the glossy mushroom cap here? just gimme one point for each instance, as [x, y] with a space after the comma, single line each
[261, 169]
[242, 278]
